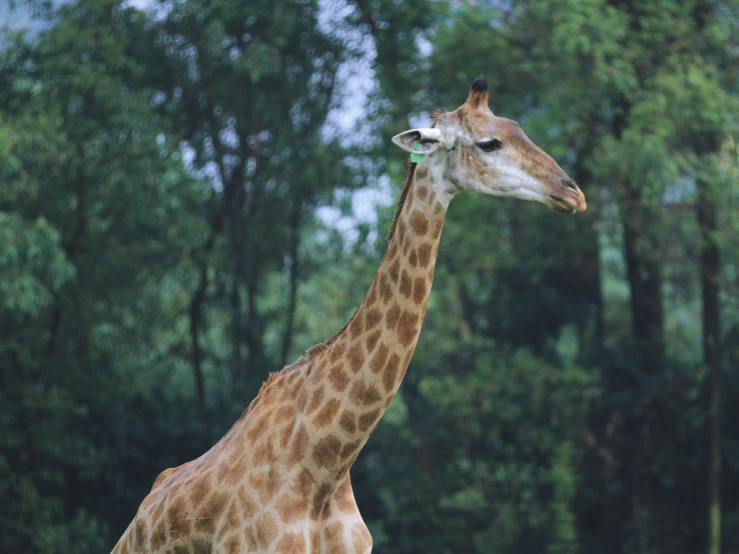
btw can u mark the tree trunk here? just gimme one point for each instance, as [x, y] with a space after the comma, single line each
[236, 239]
[195, 325]
[287, 337]
[644, 274]
[253, 333]
[709, 270]
[592, 286]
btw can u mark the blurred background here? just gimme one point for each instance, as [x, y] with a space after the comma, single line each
[193, 192]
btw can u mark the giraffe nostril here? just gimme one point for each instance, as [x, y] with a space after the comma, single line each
[570, 184]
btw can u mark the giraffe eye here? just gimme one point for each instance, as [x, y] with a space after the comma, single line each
[490, 145]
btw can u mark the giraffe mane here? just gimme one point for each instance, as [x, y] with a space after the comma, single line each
[436, 114]
[401, 201]
[316, 350]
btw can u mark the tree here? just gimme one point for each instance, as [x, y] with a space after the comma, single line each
[98, 213]
[248, 86]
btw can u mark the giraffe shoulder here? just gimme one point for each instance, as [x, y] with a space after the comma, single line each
[165, 474]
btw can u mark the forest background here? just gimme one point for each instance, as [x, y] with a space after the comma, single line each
[193, 192]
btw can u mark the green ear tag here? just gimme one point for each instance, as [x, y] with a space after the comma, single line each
[416, 158]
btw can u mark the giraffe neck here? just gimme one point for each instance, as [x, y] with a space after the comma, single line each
[362, 370]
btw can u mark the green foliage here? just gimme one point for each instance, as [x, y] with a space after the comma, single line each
[494, 471]
[160, 253]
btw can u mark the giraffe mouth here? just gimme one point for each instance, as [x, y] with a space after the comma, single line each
[567, 206]
[560, 206]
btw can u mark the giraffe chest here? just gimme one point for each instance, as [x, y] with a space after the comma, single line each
[300, 519]
[297, 518]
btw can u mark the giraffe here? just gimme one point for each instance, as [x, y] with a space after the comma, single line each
[279, 481]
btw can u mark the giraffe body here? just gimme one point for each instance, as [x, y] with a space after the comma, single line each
[278, 481]
[234, 500]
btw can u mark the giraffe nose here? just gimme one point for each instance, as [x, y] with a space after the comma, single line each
[570, 184]
[579, 203]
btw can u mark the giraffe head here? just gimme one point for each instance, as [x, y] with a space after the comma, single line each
[473, 149]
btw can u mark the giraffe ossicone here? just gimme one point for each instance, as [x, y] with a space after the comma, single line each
[278, 481]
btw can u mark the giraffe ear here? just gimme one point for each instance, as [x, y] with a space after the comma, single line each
[419, 141]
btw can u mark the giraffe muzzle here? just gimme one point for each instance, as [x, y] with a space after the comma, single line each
[568, 198]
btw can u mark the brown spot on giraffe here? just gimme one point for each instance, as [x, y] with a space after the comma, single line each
[392, 316]
[230, 474]
[180, 523]
[419, 223]
[266, 531]
[373, 318]
[327, 414]
[395, 271]
[332, 537]
[326, 453]
[379, 358]
[321, 508]
[424, 254]
[338, 378]
[419, 290]
[413, 259]
[140, 533]
[285, 434]
[262, 483]
[337, 350]
[437, 229]
[355, 327]
[369, 419]
[291, 543]
[250, 536]
[371, 296]
[347, 422]
[405, 284]
[315, 401]
[159, 535]
[246, 502]
[300, 443]
[406, 246]
[284, 414]
[200, 489]
[409, 199]
[391, 372]
[344, 496]
[302, 400]
[315, 541]
[362, 394]
[386, 292]
[407, 328]
[350, 448]
[372, 340]
[232, 545]
[291, 507]
[232, 518]
[356, 357]
[259, 427]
